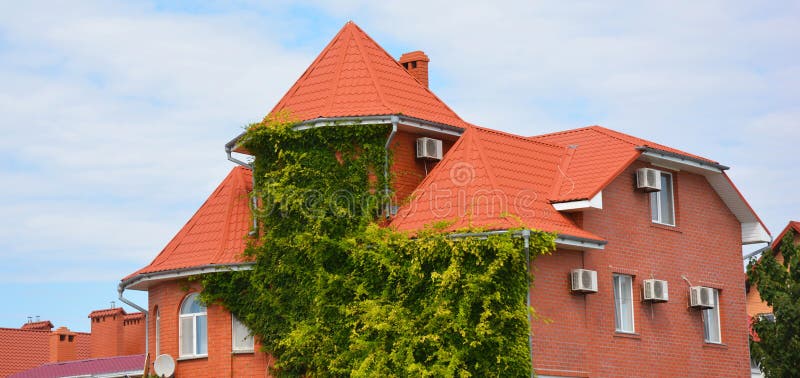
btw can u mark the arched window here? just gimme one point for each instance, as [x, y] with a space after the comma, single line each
[193, 327]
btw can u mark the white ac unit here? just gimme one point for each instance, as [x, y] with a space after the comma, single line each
[701, 297]
[429, 148]
[584, 281]
[655, 291]
[648, 179]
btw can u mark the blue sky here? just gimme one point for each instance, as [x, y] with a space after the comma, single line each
[114, 114]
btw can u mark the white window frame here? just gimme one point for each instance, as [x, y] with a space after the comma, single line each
[709, 322]
[251, 347]
[181, 329]
[158, 331]
[618, 302]
[656, 197]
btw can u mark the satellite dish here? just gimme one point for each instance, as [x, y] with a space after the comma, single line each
[164, 365]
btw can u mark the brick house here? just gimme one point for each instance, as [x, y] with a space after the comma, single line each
[626, 210]
[756, 306]
[114, 333]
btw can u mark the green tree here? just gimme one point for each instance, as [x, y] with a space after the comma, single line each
[777, 345]
[333, 293]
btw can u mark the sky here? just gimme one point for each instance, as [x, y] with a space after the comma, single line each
[114, 114]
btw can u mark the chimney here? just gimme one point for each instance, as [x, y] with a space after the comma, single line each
[62, 345]
[107, 332]
[416, 63]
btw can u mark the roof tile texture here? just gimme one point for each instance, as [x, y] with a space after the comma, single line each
[85, 367]
[217, 232]
[353, 76]
[490, 180]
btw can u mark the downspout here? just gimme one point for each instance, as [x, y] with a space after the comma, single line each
[394, 120]
[526, 237]
[121, 289]
[229, 151]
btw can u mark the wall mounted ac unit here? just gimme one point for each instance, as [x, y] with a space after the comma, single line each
[429, 148]
[584, 281]
[655, 291]
[648, 179]
[701, 297]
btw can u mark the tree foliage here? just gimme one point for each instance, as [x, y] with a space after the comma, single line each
[777, 345]
[332, 293]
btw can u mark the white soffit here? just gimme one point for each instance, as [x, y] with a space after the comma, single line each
[595, 202]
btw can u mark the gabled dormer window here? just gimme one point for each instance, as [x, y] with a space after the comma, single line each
[662, 202]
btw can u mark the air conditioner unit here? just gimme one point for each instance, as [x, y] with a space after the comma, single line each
[701, 297]
[655, 291]
[648, 179]
[584, 281]
[429, 148]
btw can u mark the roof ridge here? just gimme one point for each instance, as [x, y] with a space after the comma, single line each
[515, 136]
[368, 64]
[311, 67]
[230, 186]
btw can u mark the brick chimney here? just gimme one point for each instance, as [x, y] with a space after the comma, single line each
[107, 332]
[416, 63]
[62, 345]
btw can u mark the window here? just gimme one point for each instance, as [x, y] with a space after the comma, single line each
[242, 337]
[623, 303]
[711, 328]
[158, 332]
[193, 328]
[662, 202]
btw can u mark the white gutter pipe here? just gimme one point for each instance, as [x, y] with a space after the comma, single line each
[121, 289]
[394, 120]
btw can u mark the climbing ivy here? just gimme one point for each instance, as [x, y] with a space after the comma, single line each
[334, 293]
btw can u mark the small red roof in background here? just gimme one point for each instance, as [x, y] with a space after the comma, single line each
[22, 349]
[85, 367]
[353, 76]
[216, 233]
[793, 225]
[44, 325]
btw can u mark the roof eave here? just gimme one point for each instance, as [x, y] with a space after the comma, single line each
[143, 281]
[413, 122]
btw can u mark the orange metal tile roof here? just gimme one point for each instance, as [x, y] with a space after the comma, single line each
[22, 349]
[44, 325]
[598, 156]
[107, 312]
[217, 232]
[794, 226]
[490, 180]
[353, 76]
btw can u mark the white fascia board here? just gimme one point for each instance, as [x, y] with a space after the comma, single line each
[572, 242]
[595, 202]
[754, 232]
[678, 163]
[382, 120]
[144, 281]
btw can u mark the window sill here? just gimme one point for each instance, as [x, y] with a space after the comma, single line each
[627, 335]
[244, 351]
[187, 358]
[708, 344]
[666, 227]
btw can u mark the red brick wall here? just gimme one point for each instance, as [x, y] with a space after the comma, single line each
[107, 335]
[133, 336]
[705, 247]
[220, 362]
[409, 171]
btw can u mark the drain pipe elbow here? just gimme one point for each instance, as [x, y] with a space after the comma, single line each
[121, 290]
[229, 152]
[395, 119]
